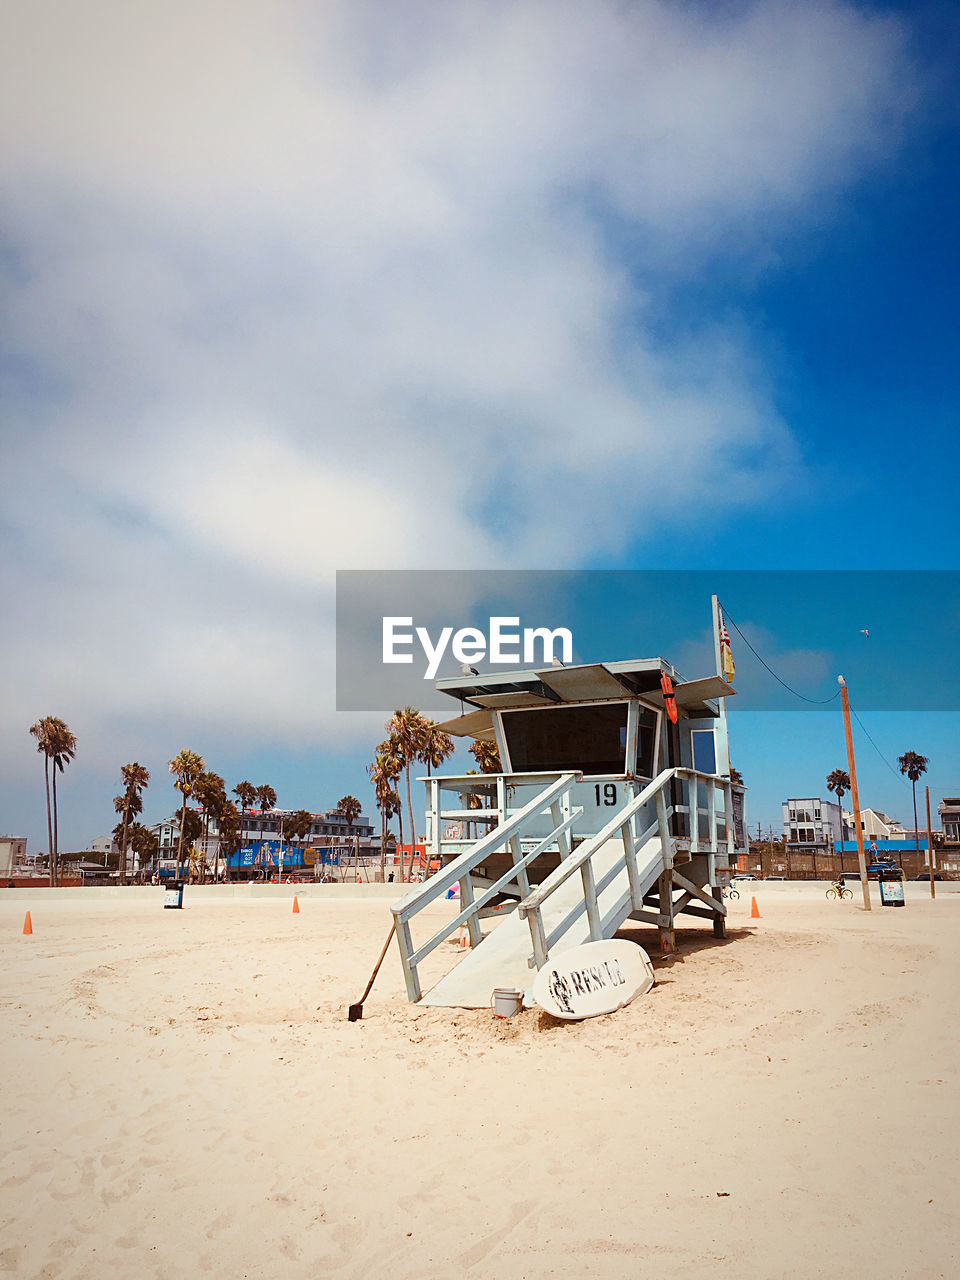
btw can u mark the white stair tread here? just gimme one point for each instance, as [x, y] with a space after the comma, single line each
[501, 959]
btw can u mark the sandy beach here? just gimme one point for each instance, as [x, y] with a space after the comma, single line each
[183, 1095]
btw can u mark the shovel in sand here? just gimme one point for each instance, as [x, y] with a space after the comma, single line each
[355, 1011]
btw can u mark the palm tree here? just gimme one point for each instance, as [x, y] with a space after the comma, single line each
[406, 731]
[228, 827]
[437, 747]
[391, 807]
[197, 865]
[210, 793]
[40, 731]
[838, 781]
[267, 798]
[186, 769]
[391, 749]
[217, 813]
[122, 806]
[59, 745]
[192, 828]
[297, 825]
[410, 730]
[487, 756]
[913, 765]
[134, 778]
[117, 833]
[350, 808]
[144, 844]
[383, 775]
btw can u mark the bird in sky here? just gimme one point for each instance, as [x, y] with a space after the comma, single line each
[864, 632]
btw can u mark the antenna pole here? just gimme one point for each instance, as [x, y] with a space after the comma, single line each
[722, 735]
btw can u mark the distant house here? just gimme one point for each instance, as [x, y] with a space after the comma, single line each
[949, 811]
[876, 825]
[167, 833]
[812, 825]
[104, 845]
[13, 851]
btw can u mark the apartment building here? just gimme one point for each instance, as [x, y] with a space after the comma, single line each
[949, 811]
[812, 824]
[13, 851]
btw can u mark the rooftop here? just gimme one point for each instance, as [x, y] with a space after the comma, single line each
[587, 682]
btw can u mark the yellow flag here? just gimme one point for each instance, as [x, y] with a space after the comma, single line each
[726, 653]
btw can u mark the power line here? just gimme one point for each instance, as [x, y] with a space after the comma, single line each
[815, 701]
[819, 702]
[897, 772]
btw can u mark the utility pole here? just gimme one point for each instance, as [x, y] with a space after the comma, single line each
[933, 887]
[854, 793]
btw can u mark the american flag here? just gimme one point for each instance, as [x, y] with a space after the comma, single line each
[726, 653]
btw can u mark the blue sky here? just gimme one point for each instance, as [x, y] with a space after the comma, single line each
[301, 287]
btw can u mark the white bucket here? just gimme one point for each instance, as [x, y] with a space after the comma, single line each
[506, 1002]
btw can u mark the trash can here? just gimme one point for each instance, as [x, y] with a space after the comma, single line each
[173, 894]
[891, 887]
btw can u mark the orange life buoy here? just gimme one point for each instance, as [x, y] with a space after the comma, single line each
[669, 697]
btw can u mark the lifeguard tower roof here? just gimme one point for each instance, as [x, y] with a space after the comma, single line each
[588, 682]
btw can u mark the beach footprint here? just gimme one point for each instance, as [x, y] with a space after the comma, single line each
[492, 1241]
[222, 1222]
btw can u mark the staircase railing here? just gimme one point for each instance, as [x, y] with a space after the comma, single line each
[505, 835]
[531, 908]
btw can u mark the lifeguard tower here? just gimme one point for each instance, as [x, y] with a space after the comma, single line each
[614, 802]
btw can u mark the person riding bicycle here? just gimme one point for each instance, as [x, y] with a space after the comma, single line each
[839, 885]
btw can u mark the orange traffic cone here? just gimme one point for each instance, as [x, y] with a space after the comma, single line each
[296, 906]
[754, 910]
[27, 923]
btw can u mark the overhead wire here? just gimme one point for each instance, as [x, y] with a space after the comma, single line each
[818, 702]
[897, 772]
[814, 701]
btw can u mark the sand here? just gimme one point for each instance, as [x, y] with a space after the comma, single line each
[183, 1096]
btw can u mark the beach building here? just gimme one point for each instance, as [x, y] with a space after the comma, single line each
[876, 825]
[812, 825]
[614, 801]
[949, 811]
[13, 853]
[104, 845]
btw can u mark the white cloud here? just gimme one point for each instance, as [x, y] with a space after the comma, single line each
[297, 287]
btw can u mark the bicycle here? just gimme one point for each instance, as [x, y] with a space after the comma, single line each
[833, 892]
[730, 892]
